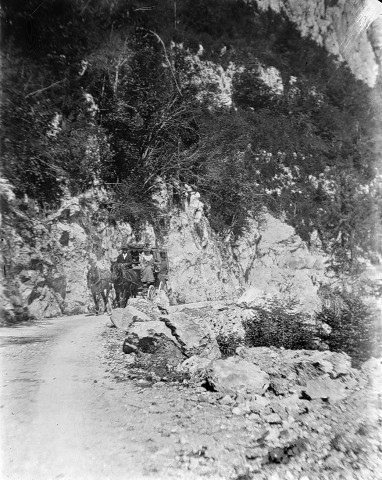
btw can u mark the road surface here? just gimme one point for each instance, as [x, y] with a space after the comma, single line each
[64, 417]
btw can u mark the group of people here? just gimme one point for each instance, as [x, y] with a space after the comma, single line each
[147, 263]
[153, 270]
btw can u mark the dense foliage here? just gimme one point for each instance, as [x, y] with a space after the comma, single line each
[93, 93]
[280, 327]
[355, 330]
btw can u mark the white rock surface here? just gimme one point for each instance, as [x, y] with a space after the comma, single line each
[47, 272]
[123, 318]
[331, 24]
[234, 375]
[198, 269]
[193, 334]
[276, 264]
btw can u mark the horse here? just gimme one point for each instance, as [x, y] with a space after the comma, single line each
[126, 281]
[99, 285]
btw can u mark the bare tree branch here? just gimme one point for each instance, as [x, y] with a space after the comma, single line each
[37, 92]
[118, 66]
[167, 59]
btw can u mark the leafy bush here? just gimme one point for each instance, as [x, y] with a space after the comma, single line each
[278, 326]
[355, 330]
[149, 125]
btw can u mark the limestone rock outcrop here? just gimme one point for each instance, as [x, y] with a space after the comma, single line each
[199, 270]
[269, 258]
[337, 25]
[276, 264]
[45, 259]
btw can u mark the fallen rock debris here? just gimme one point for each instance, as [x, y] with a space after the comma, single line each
[265, 413]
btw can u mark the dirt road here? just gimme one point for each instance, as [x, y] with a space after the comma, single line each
[64, 417]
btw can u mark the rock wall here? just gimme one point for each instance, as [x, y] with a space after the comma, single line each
[276, 263]
[46, 259]
[269, 261]
[200, 268]
[336, 25]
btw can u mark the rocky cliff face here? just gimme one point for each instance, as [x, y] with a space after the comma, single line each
[339, 26]
[200, 268]
[45, 260]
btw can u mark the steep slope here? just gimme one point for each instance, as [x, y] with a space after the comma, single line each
[339, 26]
[46, 265]
[223, 99]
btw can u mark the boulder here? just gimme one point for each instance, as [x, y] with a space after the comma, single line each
[147, 336]
[292, 404]
[123, 318]
[167, 353]
[325, 388]
[272, 418]
[196, 366]
[193, 334]
[145, 306]
[292, 369]
[233, 376]
[279, 385]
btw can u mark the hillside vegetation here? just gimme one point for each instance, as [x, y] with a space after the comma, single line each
[101, 92]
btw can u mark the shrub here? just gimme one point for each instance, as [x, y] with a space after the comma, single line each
[279, 326]
[147, 120]
[229, 343]
[356, 330]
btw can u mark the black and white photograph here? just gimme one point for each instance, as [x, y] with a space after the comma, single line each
[191, 240]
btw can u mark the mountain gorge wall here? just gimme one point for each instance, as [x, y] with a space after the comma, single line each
[333, 24]
[46, 260]
[45, 257]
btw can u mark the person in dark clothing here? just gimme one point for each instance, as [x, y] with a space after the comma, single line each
[162, 269]
[125, 257]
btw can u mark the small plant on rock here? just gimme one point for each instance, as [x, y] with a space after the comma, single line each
[229, 343]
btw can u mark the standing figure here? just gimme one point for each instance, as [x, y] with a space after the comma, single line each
[162, 270]
[146, 259]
